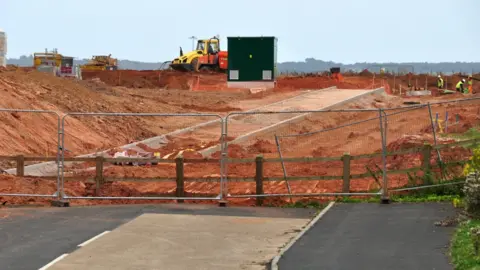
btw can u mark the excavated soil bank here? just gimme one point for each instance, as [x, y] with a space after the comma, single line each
[28, 134]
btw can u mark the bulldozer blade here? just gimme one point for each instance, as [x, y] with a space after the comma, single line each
[181, 67]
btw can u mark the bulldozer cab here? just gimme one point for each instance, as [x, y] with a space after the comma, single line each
[101, 62]
[101, 59]
[208, 46]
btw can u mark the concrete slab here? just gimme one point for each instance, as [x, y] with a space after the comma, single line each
[159, 241]
[418, 93]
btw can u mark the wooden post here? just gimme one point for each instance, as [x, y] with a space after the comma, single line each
[180, 191]
[346, 172]
[394, 81]
[99, 173]
[259, 179]
[20, 165]
[426, 156]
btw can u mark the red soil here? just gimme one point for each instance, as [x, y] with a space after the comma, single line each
[403, 131]
[212, 81]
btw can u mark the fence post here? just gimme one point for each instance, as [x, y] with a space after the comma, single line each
[426, 157]
[394, 81]
[99, 173]
[346, 172]
[180, 191]
[277, 142]
[259, 179]
[434, 133]
[385, 198]
[20, 165]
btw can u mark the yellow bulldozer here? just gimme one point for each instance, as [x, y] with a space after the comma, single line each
[101, 62]
[206, 57]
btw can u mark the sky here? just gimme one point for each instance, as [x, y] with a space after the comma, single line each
[345, 31]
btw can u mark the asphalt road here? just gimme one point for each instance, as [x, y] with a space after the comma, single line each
[32, 237]
[374, 236]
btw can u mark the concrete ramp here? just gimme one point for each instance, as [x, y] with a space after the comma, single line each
[50, 168]
[161, 241]
[245, 126]
[239, 126]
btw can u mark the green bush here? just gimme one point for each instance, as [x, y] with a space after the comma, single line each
[465, 244]
[473, 165]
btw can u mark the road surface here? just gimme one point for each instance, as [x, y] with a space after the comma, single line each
[374, 236]
[30, 238]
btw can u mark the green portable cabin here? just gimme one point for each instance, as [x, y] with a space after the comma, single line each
[252, 62]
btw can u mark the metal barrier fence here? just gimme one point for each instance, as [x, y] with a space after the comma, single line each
[355, 134]
[281, 137]
[344, 133]
[35, 169]
[185, 127]
[291, 137]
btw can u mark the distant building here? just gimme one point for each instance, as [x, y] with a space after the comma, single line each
[3, 48]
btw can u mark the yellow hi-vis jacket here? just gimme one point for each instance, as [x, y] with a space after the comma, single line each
[440, 82]
[459, 85]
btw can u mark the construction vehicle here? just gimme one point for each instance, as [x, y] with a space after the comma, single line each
[335, 74]
[47, 58]
[55, 63]
[206, 57]
[101, 62]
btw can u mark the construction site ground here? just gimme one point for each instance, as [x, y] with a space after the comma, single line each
[171, 92]
[74, 231]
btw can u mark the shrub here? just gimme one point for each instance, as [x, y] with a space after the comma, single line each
[472, 194]
[473, 165]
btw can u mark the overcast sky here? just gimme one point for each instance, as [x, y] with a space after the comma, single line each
[343, 31]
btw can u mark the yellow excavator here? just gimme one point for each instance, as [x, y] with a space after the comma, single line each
[101, 62]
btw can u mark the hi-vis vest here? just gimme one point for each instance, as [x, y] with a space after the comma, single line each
[440, 82]
[459, 84]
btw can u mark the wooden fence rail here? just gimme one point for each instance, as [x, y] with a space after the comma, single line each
[259, 178]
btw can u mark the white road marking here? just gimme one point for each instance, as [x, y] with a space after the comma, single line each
[93, 239]
[53, 262]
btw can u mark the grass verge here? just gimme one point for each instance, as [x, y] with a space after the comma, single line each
[302, 204]
[462, 250]
[413, 198]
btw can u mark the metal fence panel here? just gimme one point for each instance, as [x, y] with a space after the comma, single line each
[299, 134]
[250, 134]
[31, 133]
[169, 135]
[456, 121]
[333, 134]
[405, 128]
